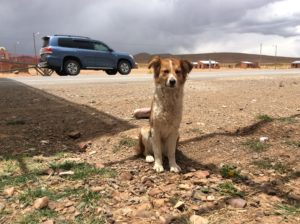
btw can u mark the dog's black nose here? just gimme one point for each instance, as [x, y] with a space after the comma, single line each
[172, 82]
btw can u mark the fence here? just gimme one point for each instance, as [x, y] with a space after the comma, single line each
[10, 62]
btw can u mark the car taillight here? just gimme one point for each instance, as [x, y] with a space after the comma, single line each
[47, 50]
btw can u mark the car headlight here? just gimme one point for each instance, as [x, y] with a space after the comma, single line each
[131, 56]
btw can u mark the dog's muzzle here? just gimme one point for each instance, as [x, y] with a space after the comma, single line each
[171, 82]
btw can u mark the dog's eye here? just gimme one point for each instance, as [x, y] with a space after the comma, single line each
[166, 71]
[177, 71]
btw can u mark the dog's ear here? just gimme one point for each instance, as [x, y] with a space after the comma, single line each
[155, 64]
[186, 66]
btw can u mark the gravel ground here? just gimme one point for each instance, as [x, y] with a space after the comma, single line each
[76, 144]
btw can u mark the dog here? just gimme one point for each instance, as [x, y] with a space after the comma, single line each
[161, 136]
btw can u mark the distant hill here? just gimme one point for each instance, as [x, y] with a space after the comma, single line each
[222, 57]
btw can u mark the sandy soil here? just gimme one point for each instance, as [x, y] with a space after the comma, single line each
[222, 123]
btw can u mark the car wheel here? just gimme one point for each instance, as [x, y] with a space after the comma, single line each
[60, 73]
[71, 67]
[124, 67]
[111, 71]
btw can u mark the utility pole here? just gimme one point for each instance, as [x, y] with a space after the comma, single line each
[17, 43]
[34, 48]
[275, 55]
[260, 51]
[34, 45]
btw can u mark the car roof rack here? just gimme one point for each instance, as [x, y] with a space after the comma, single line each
[63, 35]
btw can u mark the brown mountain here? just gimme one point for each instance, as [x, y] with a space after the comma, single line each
[222, 57]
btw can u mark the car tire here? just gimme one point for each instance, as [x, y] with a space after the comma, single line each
[111, 71]
[71, 67]
[124, 67]
[60, 73]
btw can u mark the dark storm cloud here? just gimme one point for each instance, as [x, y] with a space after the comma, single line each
[133, 25]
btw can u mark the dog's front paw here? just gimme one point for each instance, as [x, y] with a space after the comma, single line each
[158, 168]
[175, 168]
[149, 159]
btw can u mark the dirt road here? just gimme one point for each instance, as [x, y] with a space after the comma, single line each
[75, 145]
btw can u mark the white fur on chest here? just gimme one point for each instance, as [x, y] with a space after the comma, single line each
[167, 110]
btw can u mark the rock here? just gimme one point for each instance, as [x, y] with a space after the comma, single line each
[2, 207]
[49, 221]
[157, 203]
[97, 188]
[179, 205]
[166, 219]
[154, 191]
[237, 202]
[184, 186]
[66, 173]
[44, 142]
[142, 113]
[196, 219]
[210, 198]
[83, 146]
[126, 176]
[199, 196]
[201, 174]
[8, 192]
[144, 211]
[74, 134]
[263, 139]
[99, 165]
[41, 203]
[68, 203]
[92, 153]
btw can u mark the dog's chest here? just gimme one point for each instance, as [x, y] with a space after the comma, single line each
[167, 111]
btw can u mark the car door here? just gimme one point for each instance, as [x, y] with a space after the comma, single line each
[104, 57]
[85, 52]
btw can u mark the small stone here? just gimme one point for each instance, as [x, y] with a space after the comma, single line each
[83, 146]
[126, 176]
[196, 219]
[237, 202]
[92, 153]
[154, 191]
[49, 221]
[2, 207]
[179, 205]
[210, 198]
[199, 196]
[97, 189]
[157, 203]
[66, 173]
[74, 134]
[44, 142]
[41, 202]
[263, 139]
[184, 187]
[201, 174]
[8, 192]
[99, 165]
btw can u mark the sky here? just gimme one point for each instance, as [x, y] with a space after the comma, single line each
[157, 26]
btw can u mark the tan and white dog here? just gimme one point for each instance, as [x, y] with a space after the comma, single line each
[161, 136]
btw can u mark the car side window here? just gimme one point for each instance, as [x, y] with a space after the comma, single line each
[83, 44]
[100, 47]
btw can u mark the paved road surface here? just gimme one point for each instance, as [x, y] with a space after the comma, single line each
[100, 78]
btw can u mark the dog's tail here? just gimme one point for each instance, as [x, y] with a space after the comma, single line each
[140, 149]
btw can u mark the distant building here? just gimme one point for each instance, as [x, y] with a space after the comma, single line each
[205, 64]
[195, 64]
[247, 64]
[295, 64]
